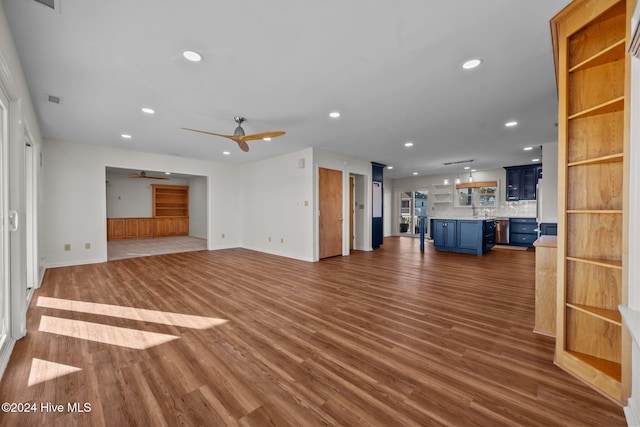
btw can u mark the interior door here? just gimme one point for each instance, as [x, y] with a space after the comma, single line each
[330, 218]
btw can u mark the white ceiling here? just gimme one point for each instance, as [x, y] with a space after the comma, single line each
[391, 67]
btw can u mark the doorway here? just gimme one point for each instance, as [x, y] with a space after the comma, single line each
[330, 207]
[130, 211]
[413, 205]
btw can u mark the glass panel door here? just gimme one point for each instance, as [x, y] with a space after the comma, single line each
[419, 209]
[413, 205]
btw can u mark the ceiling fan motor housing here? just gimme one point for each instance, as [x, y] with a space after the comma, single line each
[239, 131]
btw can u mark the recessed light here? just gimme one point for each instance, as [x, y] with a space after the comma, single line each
[125, 136]
[511, 124]
[467, 167]
[535, 160]
[226, 153]
[389, 167]
[472, 63]
[334, 114]
[415, 173]
[192, 56]
[266, 139]
[408, 144]
[528, 148]
[167, 173]
[148, 110]
[474, 170]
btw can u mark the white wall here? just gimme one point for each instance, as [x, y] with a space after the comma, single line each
[22, 125]
[387, 207]
[632, 410]
[75, 198]
[549, 183]
[132, 198]
[277, 205]
[198, 206]
[348, 165]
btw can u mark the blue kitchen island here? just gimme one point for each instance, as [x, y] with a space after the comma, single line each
[466, 235]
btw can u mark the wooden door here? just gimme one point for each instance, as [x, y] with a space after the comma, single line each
[330, 204]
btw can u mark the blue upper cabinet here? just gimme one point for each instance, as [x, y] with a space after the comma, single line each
[522, 182]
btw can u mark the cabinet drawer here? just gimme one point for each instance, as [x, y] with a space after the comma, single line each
[517, 238]
[522, 220]
[524, 228]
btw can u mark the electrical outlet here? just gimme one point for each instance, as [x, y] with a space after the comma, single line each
[67, 246]
[222, 236]
[269, 238]
[306, 203]
[87, 245]
[281, 240]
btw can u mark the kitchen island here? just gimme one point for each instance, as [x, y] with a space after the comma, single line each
[465, 235]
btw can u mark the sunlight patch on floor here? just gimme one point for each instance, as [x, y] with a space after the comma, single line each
[132, 313]
[43, 370]
[113, 335]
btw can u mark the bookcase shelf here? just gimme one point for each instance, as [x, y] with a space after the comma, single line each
[592, 66]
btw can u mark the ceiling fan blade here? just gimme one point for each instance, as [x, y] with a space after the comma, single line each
[242, 144]
[263, 135]
[209, 133]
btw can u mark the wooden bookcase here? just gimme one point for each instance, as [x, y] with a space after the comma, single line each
[592, 66]
[170, 205]
[170, 200]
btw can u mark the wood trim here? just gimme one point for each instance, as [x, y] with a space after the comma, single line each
[477, 184]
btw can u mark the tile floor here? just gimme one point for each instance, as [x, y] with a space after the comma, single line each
[122, 249]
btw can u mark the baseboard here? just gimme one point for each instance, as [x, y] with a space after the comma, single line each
[632, 412]
[72, 263]
[5, 355]
[282, 254]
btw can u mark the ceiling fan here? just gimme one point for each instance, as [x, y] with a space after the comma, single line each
[239, 136]
[143, 174]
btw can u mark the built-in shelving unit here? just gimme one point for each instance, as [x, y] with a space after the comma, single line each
[592, 70]
[170, 200]
[441, 193]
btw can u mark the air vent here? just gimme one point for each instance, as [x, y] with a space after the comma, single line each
[54, 99]
[49, 3]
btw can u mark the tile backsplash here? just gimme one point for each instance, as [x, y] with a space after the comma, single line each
[521, 209]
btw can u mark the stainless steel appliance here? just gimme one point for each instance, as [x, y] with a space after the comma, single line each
[502, 231]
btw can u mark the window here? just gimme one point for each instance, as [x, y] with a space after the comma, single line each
[487, 196]
[480, 194]
[465, 196]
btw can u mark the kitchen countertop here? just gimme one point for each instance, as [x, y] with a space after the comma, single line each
[546, 242]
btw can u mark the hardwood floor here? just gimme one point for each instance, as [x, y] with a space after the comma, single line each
[392, 337]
